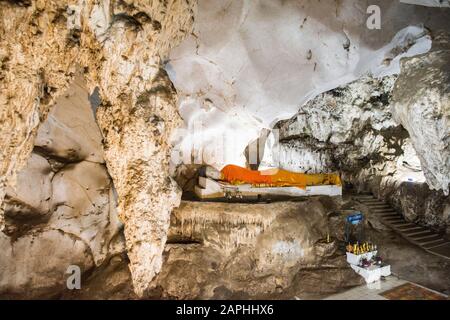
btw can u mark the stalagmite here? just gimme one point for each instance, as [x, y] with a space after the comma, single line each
[121, 48]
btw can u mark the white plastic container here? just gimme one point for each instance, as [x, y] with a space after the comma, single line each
[354, 259]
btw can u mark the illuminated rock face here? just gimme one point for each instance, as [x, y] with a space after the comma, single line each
[62, 210]
[243, 66]
[341, 130]
[119, 45]
[422, 105]
[248, 64]
[137, 116]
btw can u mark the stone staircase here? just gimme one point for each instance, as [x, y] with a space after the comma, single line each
[418, 235]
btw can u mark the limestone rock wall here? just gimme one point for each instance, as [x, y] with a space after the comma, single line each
[122, 49]
[352, 130]
[242, 251]
[62, 210]
[249, 251]
[416, 201]
[36, 64]
[345, 129]
[249, 64]
[137, 117]
[421, 103]
[120, 46]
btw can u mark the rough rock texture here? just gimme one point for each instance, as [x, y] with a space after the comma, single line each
[416, 202]
[239, 251]
[137, 116]
[248, 64]
[429, 3]
[409, 262]
[120, 46]
[36, 63]
[421, 103]
[214, 250]
[62, 210]
[352, 130]
[111, 281]
[246, 250]
[344, 129]
[34, 266]
[261, 251]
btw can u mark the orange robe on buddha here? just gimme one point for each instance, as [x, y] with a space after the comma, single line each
[276, 178]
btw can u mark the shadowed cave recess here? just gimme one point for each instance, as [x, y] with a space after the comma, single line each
[133, 134]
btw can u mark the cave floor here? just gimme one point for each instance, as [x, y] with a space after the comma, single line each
[390, 288]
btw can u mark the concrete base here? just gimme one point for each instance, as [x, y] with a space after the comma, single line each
[211, 189]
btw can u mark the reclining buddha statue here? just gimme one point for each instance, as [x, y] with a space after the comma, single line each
[270, 178]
